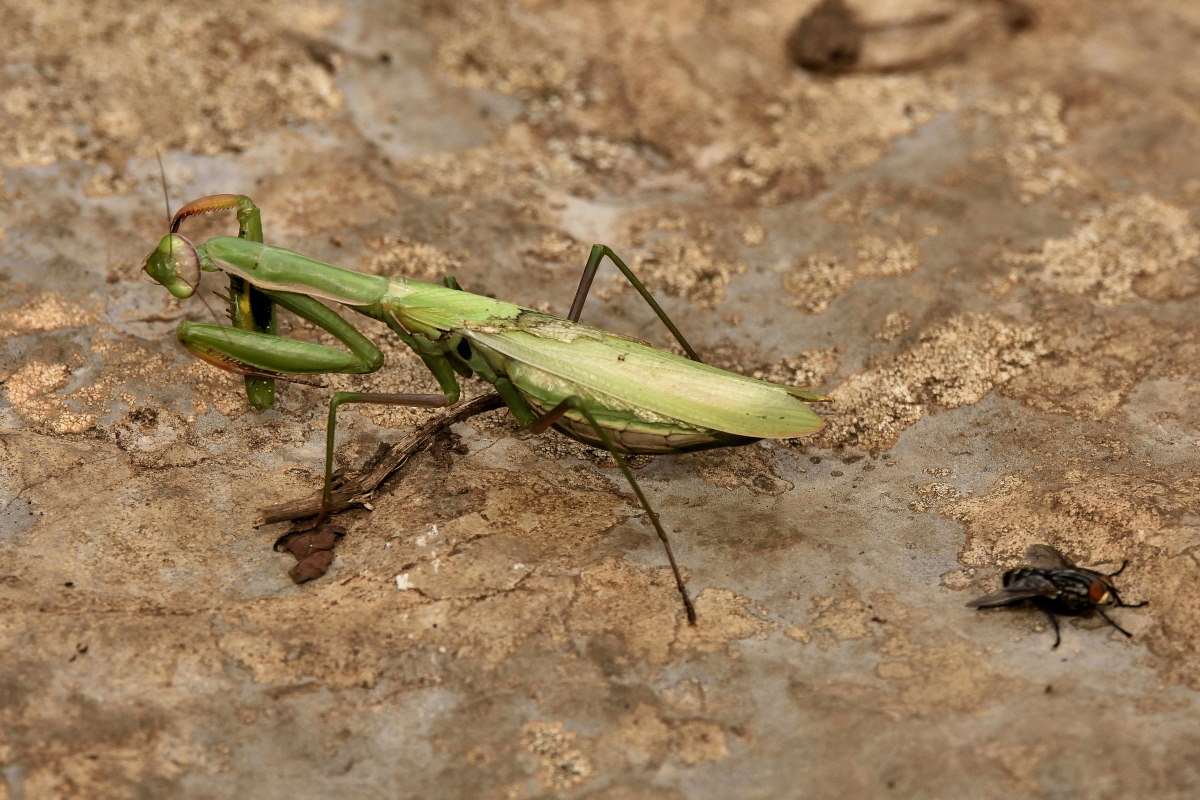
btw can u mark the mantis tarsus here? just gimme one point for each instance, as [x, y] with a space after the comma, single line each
[597, 387]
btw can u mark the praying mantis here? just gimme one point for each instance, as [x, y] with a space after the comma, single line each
[599, 388]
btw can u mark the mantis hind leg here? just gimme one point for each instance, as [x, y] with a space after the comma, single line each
[536, 424]
[599, 251]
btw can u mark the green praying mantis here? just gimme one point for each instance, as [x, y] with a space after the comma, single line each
[602, 389]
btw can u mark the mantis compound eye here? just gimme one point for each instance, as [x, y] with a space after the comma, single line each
[176, 265]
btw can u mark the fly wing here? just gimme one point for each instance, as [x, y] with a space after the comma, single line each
[1043, 556]
[1026, 588]
[624, 374]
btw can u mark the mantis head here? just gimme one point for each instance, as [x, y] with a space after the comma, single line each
[175, 264]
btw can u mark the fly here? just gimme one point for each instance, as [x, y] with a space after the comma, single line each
[1057, 586]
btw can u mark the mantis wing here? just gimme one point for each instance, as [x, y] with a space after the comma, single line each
[557, 358]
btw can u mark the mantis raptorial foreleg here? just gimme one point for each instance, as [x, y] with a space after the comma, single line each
[251, 347]
[261, 353]
[250, 309]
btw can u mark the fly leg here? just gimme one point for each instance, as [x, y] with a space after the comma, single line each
[1053, 621]
[1110, 621]
[1116, 597]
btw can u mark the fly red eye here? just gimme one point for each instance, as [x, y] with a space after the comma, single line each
[1098, 593]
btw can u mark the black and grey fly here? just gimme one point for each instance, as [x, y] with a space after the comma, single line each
[1057, 586]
